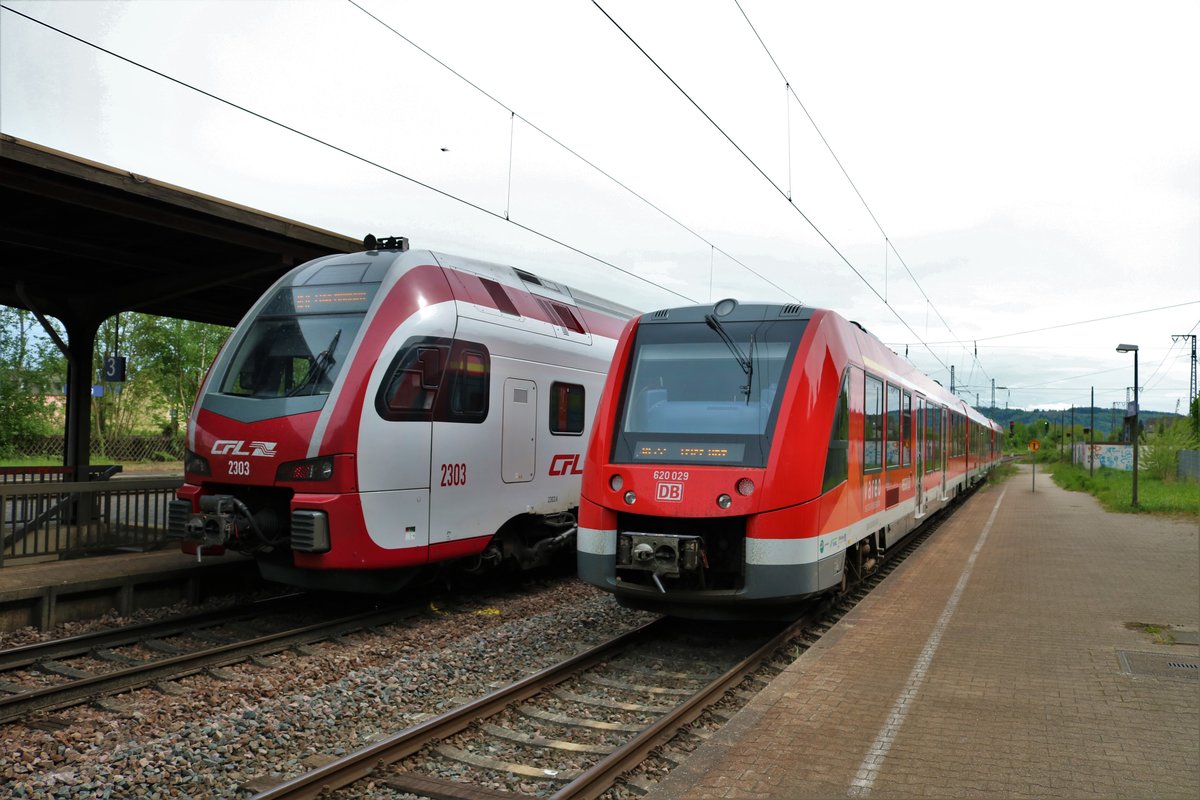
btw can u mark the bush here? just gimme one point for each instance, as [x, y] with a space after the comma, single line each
[1161, 453]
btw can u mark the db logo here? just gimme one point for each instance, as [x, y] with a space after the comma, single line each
[565, 464]
[669, 492]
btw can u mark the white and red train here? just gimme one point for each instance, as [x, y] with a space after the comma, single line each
[746, 457]
[381, 412]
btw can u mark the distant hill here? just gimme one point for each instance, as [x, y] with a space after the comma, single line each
[1106, 418]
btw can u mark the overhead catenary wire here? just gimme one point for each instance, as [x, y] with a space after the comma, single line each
[768, 179]
[888, 244]
[1067, 324]
[571, 151]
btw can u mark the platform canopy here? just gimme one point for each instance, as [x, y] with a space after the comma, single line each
[82, 241]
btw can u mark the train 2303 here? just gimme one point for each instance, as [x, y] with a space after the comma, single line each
[749, 456]
[382, 412]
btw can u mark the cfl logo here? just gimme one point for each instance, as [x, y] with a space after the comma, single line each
[233, 447]
[669, 492]
[565, 464]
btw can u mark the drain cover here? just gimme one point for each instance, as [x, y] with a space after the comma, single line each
[1159, 665]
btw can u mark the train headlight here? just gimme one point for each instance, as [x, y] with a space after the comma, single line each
[724, 501]
[195, 464]
[310, 469]
[630, 497]
[745, 487]
[616, 482]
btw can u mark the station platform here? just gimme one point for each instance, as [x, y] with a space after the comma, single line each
[1019, 653]
[52, 592]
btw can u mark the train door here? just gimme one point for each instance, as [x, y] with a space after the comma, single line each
[519, 436]
[919, 452]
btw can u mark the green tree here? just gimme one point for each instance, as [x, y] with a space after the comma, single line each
[166, 359]
[175, 356]
[30, 369]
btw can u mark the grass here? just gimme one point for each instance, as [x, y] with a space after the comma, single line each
[1002, 472]
[127, 468]
[1159, 634]
[30, 462]
[1114, 489]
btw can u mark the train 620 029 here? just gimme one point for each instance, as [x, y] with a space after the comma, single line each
[380, 412]
[746, 457]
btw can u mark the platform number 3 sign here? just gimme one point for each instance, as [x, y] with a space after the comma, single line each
[114, 368]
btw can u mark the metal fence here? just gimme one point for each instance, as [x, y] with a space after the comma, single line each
[1189, 464]
[58, 518]
[119, 448]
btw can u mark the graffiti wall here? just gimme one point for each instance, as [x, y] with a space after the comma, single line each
[1113, 456]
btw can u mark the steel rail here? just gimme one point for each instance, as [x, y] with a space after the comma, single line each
[80, 644]
[601, 776]
[361, 763]
[62, 695]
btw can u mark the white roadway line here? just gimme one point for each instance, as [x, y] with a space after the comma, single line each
[873, 762]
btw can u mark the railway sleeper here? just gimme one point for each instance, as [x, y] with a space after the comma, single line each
[495, 765]
[539, 741]
[607, 702]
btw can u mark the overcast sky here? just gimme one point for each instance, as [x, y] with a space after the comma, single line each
[1015, 166]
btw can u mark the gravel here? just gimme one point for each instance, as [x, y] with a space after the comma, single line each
[205, 737]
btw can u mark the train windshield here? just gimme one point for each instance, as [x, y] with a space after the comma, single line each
[697, 393]
[299, 342]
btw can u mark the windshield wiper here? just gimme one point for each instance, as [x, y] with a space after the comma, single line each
[745, 363]
[321, 365]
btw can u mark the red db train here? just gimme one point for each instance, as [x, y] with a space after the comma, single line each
[746, 457]
[381, 412]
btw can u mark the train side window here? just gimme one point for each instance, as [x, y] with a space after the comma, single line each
[469, 384]
[933, 438]
[894, 422]
[837, 459]
[906, 430]
[562, 315]
[566, 409]
[500, 297]
[873, 425]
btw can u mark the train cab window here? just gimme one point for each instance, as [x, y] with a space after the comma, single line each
[414, 377]
[873, 425]
[698, 393]
[837, 458]
[906, 430]
[566, 409]
[894, 426]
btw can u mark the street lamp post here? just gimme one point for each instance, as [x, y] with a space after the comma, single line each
[1133, 348]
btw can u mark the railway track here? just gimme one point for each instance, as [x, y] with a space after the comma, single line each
[576, 729]
[65, 672]
[616, 702]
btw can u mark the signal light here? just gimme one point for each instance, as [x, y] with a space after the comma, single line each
[745, 487]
